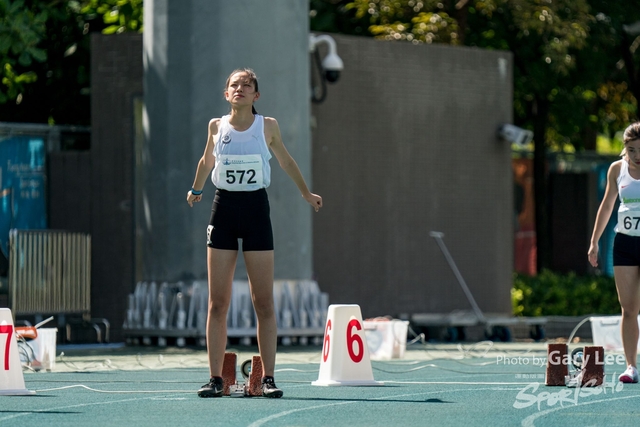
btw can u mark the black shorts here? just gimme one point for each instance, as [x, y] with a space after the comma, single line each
[240, 215]
[626, 250]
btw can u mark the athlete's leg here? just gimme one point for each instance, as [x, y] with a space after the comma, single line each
[628, 285]
[221, 266]
[260, 271]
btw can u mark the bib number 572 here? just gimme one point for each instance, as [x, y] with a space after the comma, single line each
[239, 175]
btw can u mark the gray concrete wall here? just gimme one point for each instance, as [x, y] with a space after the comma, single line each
[405, 144]
[116, 77]
[190, 47]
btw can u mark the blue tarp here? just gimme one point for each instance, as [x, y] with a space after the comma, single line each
[606, 240]
[22, 185]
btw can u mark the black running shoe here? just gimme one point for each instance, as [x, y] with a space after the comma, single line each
[269, 388]
[214, 388]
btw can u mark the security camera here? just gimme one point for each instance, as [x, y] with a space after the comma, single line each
[514, 134]
[332, 64]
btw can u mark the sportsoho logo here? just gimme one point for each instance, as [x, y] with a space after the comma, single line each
[530, 395]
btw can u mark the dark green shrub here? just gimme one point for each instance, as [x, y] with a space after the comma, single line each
[553, 294]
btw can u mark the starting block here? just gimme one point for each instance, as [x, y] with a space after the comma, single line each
[229, 372]
[593, 366]
[251, 370]
[557, 364]
[590, 365]
[11, 377]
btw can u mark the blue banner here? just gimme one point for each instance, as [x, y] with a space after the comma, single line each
[606, 240]
[22, 185]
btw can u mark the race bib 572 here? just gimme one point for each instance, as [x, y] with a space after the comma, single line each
[239, 172]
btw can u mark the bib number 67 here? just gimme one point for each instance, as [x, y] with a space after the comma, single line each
[631, 222]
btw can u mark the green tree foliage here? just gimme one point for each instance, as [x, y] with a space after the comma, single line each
[331, 16]
[45, 55]
[118, 15]
[551, 294]
[21, 31]
[575, 72]
[562, 53]
[613, 56]
[59, 93]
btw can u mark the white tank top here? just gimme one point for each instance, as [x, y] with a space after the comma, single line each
[629, 194]
[242, 158]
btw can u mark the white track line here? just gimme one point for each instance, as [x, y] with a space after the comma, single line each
[265, 420]
[456, 382]
[114, 391]
[30, 412]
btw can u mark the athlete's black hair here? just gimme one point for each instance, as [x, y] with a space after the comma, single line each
[631, 132]
[252, 77]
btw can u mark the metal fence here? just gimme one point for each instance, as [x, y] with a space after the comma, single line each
[49, 272]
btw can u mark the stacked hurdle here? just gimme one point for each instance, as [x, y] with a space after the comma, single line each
[178, 311]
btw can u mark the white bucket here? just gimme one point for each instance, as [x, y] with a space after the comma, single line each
[386, 339]
[606, 332]
[44, 347]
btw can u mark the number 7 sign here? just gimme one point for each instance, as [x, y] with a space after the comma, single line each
[8, 331]
[345, 355]
[11, 378]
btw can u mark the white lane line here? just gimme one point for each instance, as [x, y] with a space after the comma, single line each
[456, 382]
[113, 391]
[22, 414]
[265, 420]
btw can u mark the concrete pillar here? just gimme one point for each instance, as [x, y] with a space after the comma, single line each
[190, 47]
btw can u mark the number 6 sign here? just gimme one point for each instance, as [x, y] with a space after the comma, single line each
[345, 356]
[11, 378]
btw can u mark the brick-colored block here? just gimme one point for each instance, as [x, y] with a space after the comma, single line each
[557, 367]
[592, 366]
[229, 372]
[255, 379]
